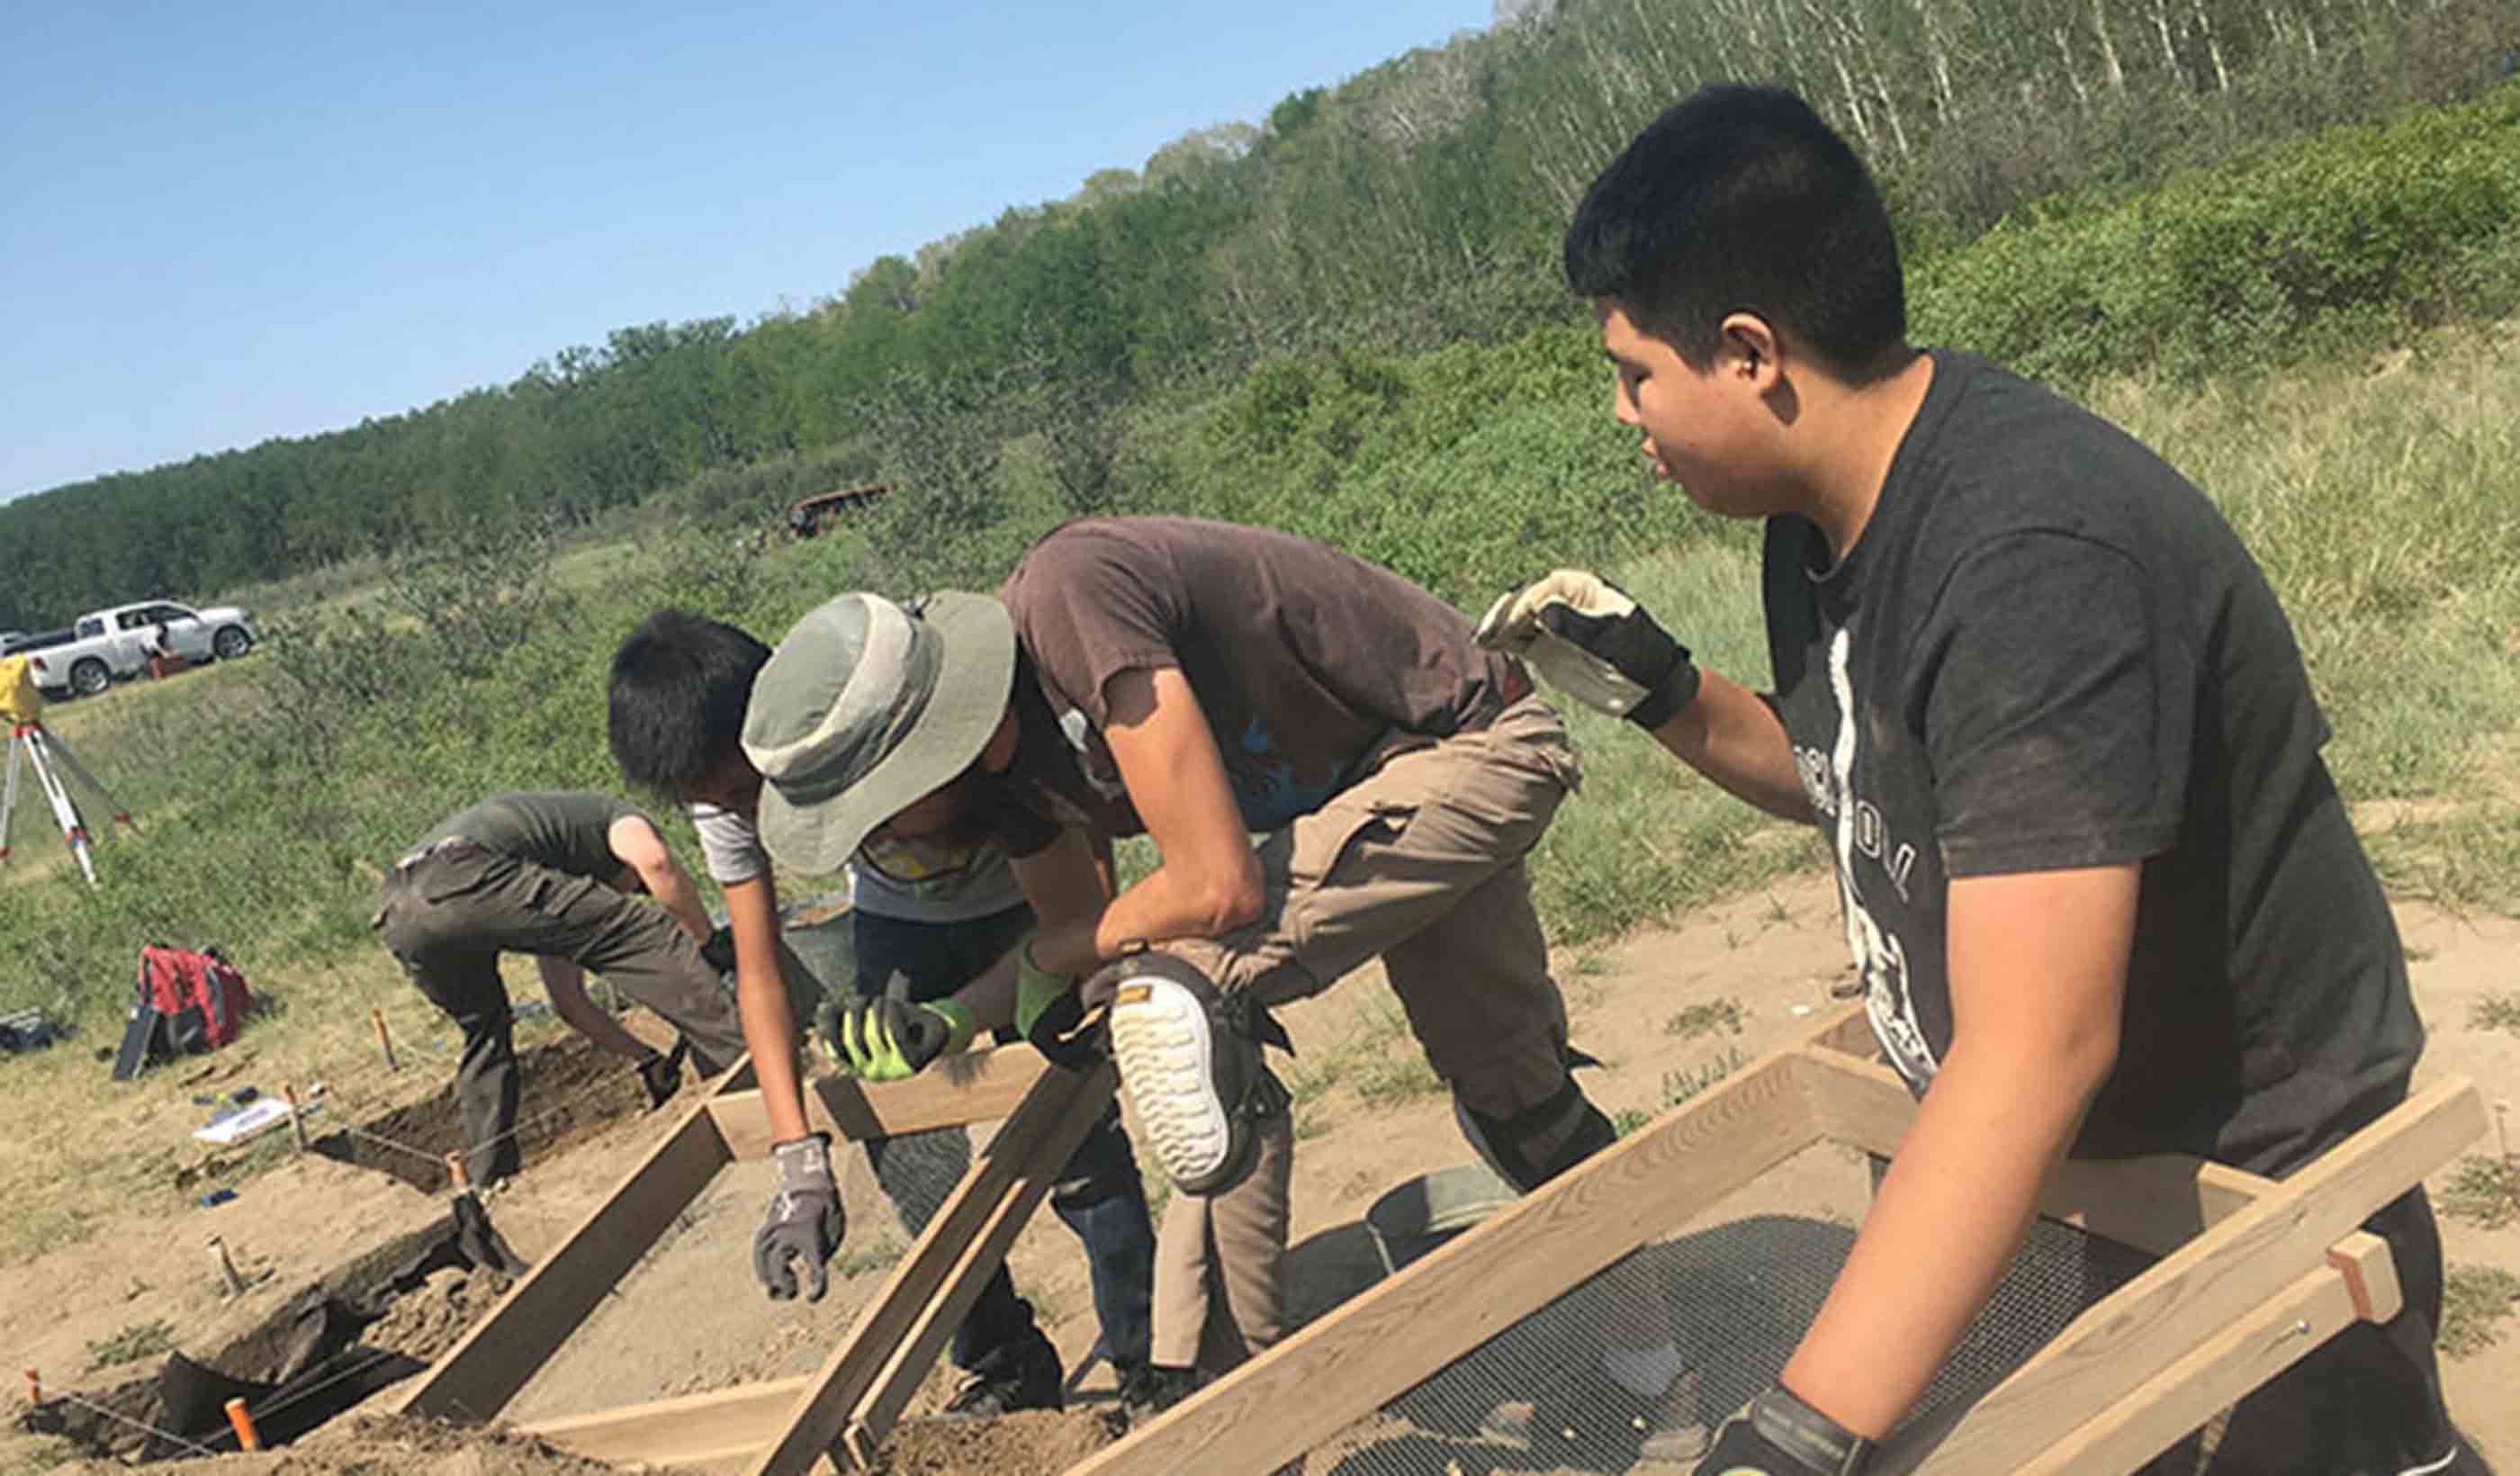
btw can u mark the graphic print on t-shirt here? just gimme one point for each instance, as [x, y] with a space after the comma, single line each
[1264, 783]
[1857, 833]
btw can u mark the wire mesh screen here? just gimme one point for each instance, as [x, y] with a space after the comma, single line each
[1733, 1291]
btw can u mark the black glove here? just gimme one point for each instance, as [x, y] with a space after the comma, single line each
[1589, 639]
[662, 1073]
[1779, 1435]
[718, 952]
[804, 1220]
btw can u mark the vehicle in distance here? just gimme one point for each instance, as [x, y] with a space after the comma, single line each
[114, 643]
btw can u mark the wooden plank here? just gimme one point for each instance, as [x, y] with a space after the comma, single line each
[476, 1377]
[2230, 1364]
[1849, 1032]
[2220, 1279]
[876, 1412]
[688, 1430]
[816, 1418]
[951, 1094]
[1390, 1337]
[2156, 1203]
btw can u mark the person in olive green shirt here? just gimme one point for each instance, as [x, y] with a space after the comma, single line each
[553, 875]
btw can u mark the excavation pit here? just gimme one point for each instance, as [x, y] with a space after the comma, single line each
[570, 1090]
[367, 1325]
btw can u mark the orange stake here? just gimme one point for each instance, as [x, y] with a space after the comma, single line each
[248, 1437]
[459, 1172]
[296, 1124]
[383, 1041]
[35, 1388]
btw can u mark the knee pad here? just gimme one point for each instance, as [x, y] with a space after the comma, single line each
[1190, 1066]
[1538, 1143]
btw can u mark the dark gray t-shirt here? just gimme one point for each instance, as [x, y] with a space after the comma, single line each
[568, 831]
[2048, 651]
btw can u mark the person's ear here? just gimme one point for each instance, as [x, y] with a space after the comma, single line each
[1748, 350]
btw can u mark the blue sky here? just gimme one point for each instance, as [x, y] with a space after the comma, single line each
[222, 223]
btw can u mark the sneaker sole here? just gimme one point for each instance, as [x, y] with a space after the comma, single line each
[1167, 1068]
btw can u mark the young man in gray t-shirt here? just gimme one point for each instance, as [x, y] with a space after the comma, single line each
[2102, 894]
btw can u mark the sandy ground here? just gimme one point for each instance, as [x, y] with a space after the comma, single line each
[689, 1318]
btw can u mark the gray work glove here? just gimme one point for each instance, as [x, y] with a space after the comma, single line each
[1589, 639]
[804, 1220]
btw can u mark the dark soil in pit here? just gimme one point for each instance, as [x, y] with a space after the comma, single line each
[1033, 1443]
[570, 1090]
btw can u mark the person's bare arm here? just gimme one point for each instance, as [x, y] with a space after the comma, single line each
[2038, 968]
[1208, 881]
[1067, 884]
[1731, 736]
[761, 1004]
[566, 983]
[638, 846]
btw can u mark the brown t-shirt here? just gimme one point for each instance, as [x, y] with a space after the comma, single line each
[1304, 659]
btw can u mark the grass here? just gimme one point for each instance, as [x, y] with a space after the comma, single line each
[2496, 1012]
[2483, 1192]
[136, 1341]
[1700, 1019]
[1681, 1085]
[2476, 1301]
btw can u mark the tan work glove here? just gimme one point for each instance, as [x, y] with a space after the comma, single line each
[1589, 639]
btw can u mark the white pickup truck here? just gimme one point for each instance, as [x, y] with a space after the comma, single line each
[116, 642]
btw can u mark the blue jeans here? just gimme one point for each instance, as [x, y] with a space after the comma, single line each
[1099, 1194]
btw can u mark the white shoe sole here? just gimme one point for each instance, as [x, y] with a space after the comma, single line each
[1160, 1036]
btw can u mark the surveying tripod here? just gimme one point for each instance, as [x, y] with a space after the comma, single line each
[48, 754]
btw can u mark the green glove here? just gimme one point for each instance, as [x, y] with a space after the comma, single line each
[1036, 990]
[888, 1039]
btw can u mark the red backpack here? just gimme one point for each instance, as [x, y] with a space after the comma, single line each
[190, 1001]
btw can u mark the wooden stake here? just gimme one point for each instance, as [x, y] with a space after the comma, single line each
[227, 1268]
[248, 1437]
[456, 1171]
[35, 1388]
[385, 1042]
[296, 1123]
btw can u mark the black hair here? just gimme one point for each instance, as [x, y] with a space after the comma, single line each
[1742, 198]
[680, 682]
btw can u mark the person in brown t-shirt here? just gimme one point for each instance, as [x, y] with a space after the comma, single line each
[1197, 681]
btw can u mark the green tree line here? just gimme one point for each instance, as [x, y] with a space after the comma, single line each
[1414, 206]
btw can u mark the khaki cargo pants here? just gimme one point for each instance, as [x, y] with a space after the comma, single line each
[1419, 862]
[446, 912]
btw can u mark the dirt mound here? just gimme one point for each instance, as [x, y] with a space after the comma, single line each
[570, 1090]
[363, 1445]
[1033, 1443]
[427, 1320]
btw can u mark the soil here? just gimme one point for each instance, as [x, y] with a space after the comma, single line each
[1034, 1443]
[366, 1445]
[689, 1318]
[568, 1091]
[426, 1322]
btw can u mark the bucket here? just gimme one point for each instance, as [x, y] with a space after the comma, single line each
[1423, 1213]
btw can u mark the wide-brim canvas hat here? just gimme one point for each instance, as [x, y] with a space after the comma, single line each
[867, 709]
